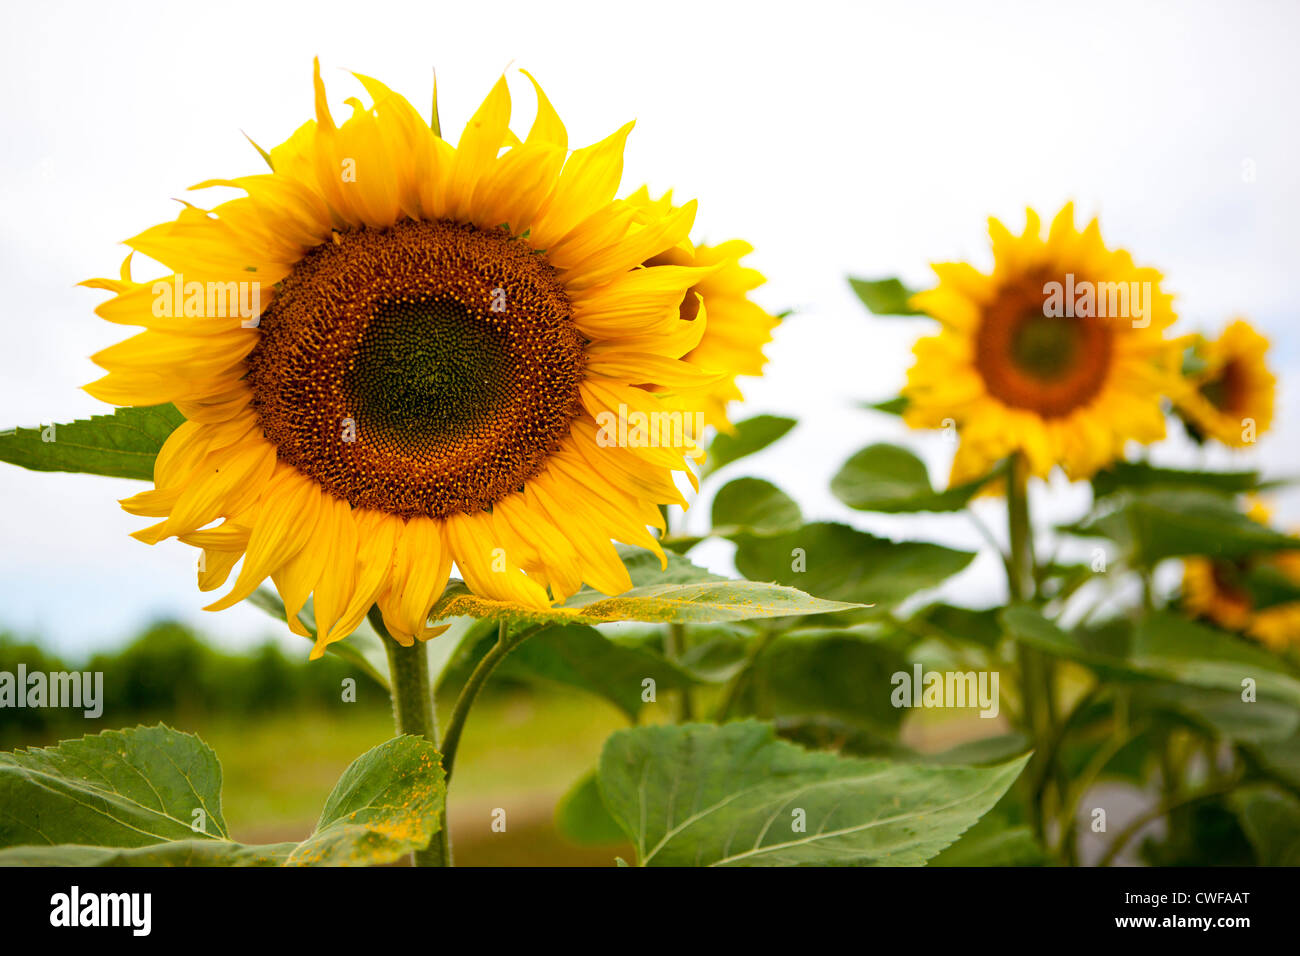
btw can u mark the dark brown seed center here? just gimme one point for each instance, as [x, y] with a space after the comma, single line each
[429, 368]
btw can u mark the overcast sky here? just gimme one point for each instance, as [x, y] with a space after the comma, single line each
[838, 138]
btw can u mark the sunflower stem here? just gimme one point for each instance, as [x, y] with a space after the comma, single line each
[675, 639]
[413, 713]
[456, 725]
[674, 645]
[1035, 669]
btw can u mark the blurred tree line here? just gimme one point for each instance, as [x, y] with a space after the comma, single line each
[170, 673]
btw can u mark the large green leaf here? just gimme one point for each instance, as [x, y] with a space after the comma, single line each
[581, 815]
[755, 505]
[1166, 647]
[704, 603]
[151, 796]
[176, 853]
[994, 842]
[684, 593]
[1271, 820]
[1221, 712]
[735, 795]
[1029, 626]
[1141, 475]
[581, 657]
[838, 676]
[889, 478]
[387, 804]
[1168, 522]
[119, 789]
[751, 435]
[885, 296]
[844, 564]
[121, 445]
[1280, 760]
[1176, 649]
[962, 624]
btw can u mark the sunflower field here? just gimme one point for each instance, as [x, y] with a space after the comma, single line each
[440, 396]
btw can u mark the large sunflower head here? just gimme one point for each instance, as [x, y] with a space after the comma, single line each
[732, 342]
[1058, 354]
[1216, 590]
[1229, 388]
[395, 355]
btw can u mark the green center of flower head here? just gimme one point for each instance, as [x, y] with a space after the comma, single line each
[429, 370]
[1046, 347]
[1049, 365]
[1223, 391]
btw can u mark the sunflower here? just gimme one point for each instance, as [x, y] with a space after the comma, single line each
[1229, 394]
[434, 338]
[1058, 354]
[1216, 590]
[738, 329]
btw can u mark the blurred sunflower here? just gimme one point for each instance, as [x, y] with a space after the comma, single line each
[441, 329]
[1217, 591]
[1058, 354]
[737, 330]
[1229, 393]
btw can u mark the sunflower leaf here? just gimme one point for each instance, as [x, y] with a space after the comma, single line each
[754, 505]
[834, 675]
[681, 593]
[889, 478]
[844, 564]
[1161, 523]
[581, 815]
[994, 842]
[121, 445]
[885, 296]
[118, 788]
[750, 436]
[1164, 647]
[735, 795]
[387, 804]
[704, 602]
[890, 406]
[1138, 475]
[151, 796]
[575, 656]
[1271, 820]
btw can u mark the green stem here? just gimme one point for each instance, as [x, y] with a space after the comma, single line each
[456, 725]
[674, 645]
[1020, 579]
[413, 713]
[1100, 759]
[1035, 670]
[675, 640]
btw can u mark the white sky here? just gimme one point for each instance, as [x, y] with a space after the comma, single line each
[838, 138]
